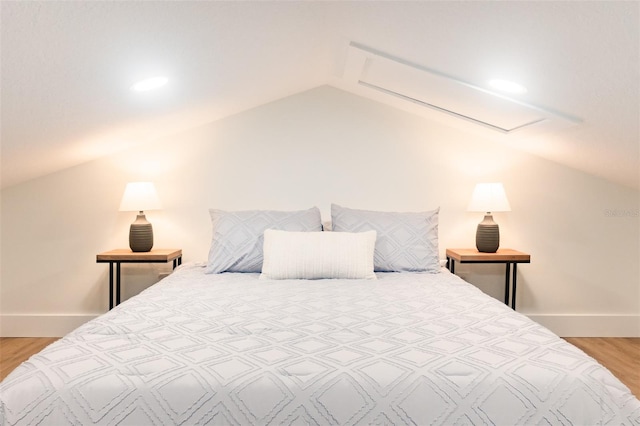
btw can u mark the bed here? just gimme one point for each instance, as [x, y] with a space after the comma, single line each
[238, 348]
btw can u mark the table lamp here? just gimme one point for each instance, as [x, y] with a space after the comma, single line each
[488, 198]
[140, 196]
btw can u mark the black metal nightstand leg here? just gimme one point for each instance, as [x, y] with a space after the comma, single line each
[110, 285]
[506, 283]
[513, 280]
[117, 283]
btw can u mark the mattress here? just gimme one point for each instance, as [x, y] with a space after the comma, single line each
[231, 349]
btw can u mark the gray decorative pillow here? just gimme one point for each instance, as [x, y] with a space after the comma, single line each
[236, 244]
[406, 241]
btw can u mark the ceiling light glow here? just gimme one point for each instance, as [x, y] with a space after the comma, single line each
[508, 86]
[149, 84]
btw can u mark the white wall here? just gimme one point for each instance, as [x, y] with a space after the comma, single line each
[315, 148]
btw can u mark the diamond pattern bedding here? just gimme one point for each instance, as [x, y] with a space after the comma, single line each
[230, 349]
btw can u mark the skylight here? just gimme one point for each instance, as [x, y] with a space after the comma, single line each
[389, 78]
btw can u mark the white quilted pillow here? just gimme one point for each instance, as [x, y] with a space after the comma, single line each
[317, 255]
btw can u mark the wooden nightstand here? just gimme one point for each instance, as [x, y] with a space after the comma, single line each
[507, 256]
[119, 256]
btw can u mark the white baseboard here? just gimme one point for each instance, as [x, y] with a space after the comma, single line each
[40, 325]
[590, 325]
[563, 325]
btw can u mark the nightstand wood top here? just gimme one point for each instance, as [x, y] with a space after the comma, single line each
[126, 255]
[502, 255]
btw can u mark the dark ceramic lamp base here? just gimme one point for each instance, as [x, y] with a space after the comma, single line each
[488, 235]
[141, 235]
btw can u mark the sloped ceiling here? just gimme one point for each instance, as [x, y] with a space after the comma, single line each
[66, 69]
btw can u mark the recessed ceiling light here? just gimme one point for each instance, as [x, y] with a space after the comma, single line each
[508, 86]
[149, 84]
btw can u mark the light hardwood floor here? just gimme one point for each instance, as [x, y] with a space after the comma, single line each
[620, 355]
[14, 350]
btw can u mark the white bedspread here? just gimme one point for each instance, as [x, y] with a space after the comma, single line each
[230, 349]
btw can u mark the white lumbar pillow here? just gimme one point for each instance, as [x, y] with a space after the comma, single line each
[317, 255]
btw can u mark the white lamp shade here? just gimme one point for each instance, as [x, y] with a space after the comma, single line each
[140, 196]
[489, 197]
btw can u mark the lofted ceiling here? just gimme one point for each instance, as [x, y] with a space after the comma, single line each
[66, 69]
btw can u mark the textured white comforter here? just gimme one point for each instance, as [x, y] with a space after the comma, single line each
[230, 349]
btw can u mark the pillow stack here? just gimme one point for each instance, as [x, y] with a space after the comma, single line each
[290, 245]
